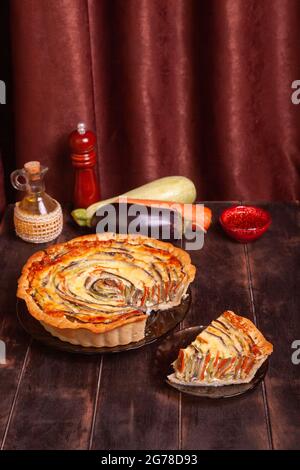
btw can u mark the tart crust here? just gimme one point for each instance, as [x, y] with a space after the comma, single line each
[247, 326]
[127, 327]
[125, 334]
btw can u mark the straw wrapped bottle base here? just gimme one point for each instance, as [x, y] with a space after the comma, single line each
[38, 228]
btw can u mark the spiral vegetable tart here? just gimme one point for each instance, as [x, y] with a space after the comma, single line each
[96, 290]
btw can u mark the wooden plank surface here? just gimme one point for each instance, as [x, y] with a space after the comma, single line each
[13, 254]
[135, 410]
[222, 284]
[53, 400]
[55, 403]
[274, 264]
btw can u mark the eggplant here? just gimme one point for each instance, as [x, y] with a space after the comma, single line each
[161, 223]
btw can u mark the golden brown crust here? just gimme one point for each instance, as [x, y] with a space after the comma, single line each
[124, 334]
[61, 321]
[246, 325]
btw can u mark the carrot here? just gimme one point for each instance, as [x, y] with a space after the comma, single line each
[243, 366]
[221, 364]
[146, 292]
[239, 365]
[227, 368]
[181, 360]
[189, 212]
[255, 350]
[206, 361]
[249, 367]
[216, 359]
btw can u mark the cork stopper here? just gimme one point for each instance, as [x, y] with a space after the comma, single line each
[33, 169]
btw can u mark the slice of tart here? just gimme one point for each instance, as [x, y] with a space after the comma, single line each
[229, 351]
[96, 290]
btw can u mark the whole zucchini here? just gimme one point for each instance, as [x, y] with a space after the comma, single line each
[170, 188]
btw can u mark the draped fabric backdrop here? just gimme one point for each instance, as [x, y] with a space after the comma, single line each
[189, 87]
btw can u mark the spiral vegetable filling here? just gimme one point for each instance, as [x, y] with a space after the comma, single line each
[103, 281]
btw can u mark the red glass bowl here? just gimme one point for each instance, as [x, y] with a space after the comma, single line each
[245, 223]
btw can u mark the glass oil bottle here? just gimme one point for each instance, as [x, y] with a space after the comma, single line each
[37, 217]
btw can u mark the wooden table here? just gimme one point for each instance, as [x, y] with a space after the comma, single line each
[55, 400]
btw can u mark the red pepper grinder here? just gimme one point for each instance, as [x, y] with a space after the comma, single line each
[86, 187]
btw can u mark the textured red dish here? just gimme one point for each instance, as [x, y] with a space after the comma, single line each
[245, 223]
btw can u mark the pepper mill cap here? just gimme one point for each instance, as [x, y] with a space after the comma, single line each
[82, 140]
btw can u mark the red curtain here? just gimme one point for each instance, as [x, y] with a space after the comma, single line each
[190, 87]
